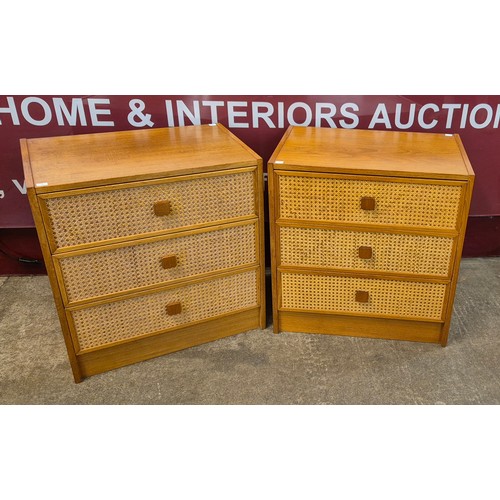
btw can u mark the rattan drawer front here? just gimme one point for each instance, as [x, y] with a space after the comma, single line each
[127, 319]
[122, 268]
[81, 219]
[403, 299]
[400, 253]
[325, 198]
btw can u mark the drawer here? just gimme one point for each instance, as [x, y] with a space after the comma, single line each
[122, 320]
[86, 216]
[399, 253]
[113, 269]
[362, 296]
[328, 198]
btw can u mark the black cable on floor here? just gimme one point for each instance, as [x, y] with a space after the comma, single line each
[24, 260]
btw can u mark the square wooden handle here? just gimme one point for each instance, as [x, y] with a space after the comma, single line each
[162, 207]
[365, 252]
[362, 296]
[367, 203]
[169, 261]
[174, 308]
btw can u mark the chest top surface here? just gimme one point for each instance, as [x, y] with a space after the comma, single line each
[415, 154]
[103, 158]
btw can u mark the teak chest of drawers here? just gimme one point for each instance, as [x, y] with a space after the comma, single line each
[152, 239]
[367, 229]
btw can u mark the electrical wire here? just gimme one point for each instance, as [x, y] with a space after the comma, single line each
[22, 259]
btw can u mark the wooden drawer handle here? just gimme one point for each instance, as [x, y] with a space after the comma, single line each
[169, 261]
[174, 308]
[162, 208]
[362, 296]
[367, 203]
[365, 252]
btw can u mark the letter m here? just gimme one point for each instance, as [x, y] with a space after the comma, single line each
[77, 111]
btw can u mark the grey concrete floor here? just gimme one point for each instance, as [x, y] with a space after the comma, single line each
[259, 367]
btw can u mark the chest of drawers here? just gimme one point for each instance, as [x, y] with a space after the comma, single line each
[152, 239]
[367, 229]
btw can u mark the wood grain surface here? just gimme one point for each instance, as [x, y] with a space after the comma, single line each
[412, 154]
[329, 186]
[106, 158]
[108, 197]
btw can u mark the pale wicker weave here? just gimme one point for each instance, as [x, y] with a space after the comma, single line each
[386, 297]
[125, 319]
[391, 252]
[100, 273]
[397, 203]
[103, 215]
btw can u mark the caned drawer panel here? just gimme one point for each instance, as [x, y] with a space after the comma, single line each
[401, 253]
[157, 260]
[127, 319]
[324, 198]
[92, 216]
[339, 294]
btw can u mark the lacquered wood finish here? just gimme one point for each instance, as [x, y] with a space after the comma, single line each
[116, 356]
[357, 326]
[68, 162]
[411, 154]
[95, 169]
[357, 190]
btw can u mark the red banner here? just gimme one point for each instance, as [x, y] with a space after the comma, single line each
[259, 121]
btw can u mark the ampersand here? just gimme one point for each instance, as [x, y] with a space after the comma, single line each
[136, 117]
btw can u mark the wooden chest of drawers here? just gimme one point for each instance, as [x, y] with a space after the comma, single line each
[152, 239]
[367, 229]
